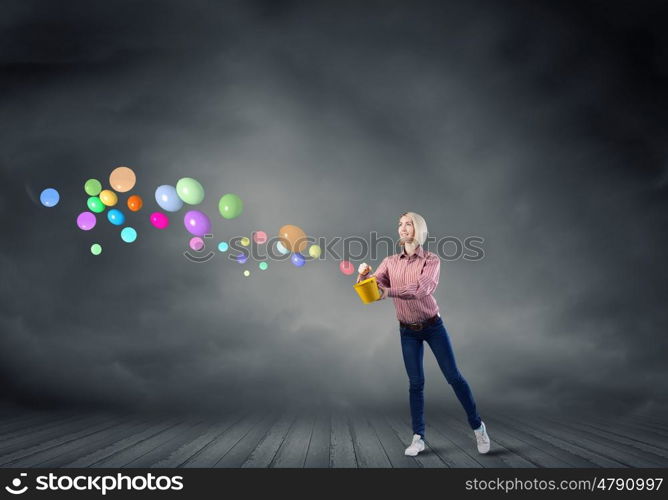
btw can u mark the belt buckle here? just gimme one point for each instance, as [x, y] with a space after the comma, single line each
[415, 326]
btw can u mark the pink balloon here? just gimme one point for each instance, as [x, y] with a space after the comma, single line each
[346, 267]
[260, 237]
[86, 221]
[196, 243]
[197, 223]
[159, 220]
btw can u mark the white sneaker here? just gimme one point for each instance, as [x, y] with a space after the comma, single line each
[416, 446]
[482, 438]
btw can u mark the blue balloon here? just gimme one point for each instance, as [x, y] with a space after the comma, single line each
[128, 234]
[242, 258]
[49, 197]
[297, 259]
[168, 198]
[116, 217]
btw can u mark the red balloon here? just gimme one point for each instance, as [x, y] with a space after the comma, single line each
[135, 202]
[346, 267]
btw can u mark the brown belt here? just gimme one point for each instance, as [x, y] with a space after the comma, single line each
[419, 326]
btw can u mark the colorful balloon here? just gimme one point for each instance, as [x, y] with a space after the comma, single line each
[197, 223]
[282, 250]
[86, 221]
[108, 197]
[135, 203]
[190, 191]
[346, 267]
[223, 247]
[263, 266]
[242, 258]
[128, 234]
[244, 241]
[293, 238]
[247, 273]
[167, 198]
[95, 205]
[196, 243]
[230, 206]
[116, 217]
[49, 197]
[315, 251]
[260, 237]
[297, 259]
[159, 220]
[96, 249]
[122, 179]
[92, 187]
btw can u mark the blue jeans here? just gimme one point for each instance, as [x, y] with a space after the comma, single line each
[412, 347]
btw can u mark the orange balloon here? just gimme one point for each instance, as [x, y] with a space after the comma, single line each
[293, 238]
[135, 203]
[108, 197]
[122, 179]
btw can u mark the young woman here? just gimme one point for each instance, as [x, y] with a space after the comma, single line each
[410, 278]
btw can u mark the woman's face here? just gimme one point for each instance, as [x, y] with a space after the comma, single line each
[406, 229]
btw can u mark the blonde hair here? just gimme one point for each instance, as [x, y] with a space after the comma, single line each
[419, 225]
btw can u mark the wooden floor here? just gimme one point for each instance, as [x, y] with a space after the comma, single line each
[296, 439]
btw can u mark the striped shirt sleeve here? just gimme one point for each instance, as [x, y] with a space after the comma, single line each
[424, 285]
[382, 275]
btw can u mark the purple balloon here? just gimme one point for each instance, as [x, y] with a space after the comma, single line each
[86, 221]
[197, 223]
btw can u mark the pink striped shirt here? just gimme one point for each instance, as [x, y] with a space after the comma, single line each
[410, 282]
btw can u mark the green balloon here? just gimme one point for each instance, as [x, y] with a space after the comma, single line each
[92, 187]
[230, 206]
[190, 191]
[96, 249]
[95, 205]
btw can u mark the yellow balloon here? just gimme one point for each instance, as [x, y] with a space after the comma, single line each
[108, 197]
[122, 179]
[314, 251]
[293, 238]
[245, 241]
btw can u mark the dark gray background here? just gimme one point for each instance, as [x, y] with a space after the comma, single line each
[538, 126]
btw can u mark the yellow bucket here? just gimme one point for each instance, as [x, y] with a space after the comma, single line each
[368, 290]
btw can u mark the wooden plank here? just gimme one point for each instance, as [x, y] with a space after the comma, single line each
[123, 457]
[9, 428]
[213, 453]
[430, 457]
[57, 457]
[638, 432]
[160, 452]
[52, 431]
[31, 426]
[267, 448]
[189, 451]
[241, 450]
[393, 447]
[318, 452]
[292, 453]
[591, 442]
[368, 450]
[540, 453]
[577, 455]
[462, 435]
[102, 454]
[20, 457]
[342, 449]
[643, 450]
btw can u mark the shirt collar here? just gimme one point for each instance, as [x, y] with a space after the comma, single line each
[419, 252]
